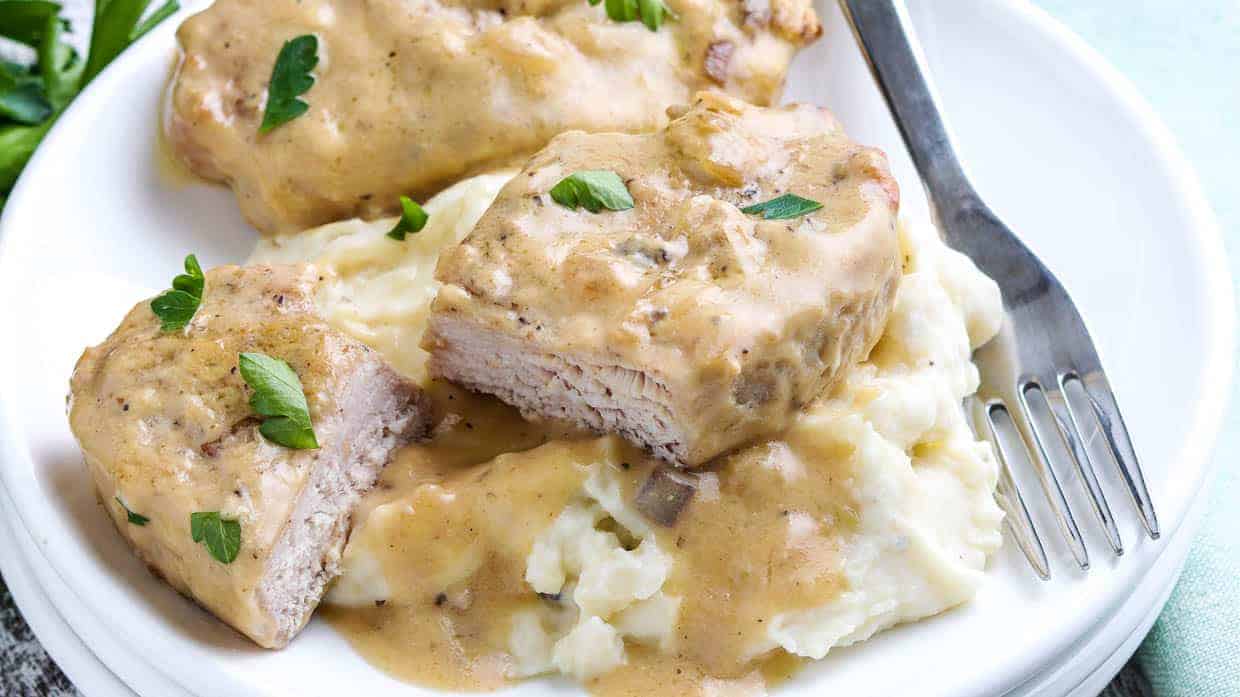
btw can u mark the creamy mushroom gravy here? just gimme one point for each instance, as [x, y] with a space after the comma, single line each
[683, 322]
[411, 95]
[452, 530]
[876, 507]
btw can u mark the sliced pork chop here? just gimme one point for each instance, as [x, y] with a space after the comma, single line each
[683, 323]
[164, 422]
[412, 95]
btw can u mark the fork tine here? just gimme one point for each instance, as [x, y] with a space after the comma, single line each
[1071, 429]
[1098, 389]
[1008, 444]
[1041, 422]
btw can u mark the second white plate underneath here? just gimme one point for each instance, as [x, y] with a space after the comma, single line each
[98, 660]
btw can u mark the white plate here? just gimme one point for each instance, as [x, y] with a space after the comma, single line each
[69, 652]
[98, 660]
[1058, 143]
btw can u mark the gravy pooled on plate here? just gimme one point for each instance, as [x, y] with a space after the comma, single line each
[551, 559]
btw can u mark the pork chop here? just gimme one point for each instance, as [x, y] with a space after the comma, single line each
[166, 428]
[683, 323]
[412, 95]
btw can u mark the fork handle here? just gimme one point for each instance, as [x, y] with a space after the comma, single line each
[884, 33]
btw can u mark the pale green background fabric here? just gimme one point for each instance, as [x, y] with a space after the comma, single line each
[1184, 56]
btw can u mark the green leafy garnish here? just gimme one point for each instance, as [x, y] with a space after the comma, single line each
[594, 190]
[176, 307]
[290, 78]
[783, 207]
[60, 65]
[165, 11]
[412, 219]
[17, 144]
[221, 536]
[33, 96]
[25, 20]
[115, 28]
[651, 12]
[22, 98]
[619, 10]
[278, 396]
[134, 518]
[192, 281]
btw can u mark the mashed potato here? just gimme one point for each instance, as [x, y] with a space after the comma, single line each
[381, 290]
[877, 507]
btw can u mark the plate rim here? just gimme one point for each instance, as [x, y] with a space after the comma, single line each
[1212, 409]
[78, 632]
[1205, 234]
[46, 620]
[1199, 443]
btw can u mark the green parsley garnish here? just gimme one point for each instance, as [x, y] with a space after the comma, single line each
[290, 78]
[619, 10]
[34, 94]
[594, 190]
[783, 207]
[176, 307]
[279, 396]
[134, 518]
[221, 536]
[651, 12]
[412, 219]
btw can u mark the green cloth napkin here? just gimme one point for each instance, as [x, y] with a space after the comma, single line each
[1194, 648]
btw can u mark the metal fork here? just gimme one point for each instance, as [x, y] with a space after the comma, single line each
[1043, 359]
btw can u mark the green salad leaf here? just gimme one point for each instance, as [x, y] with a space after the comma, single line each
[164, 12]
[412, 219]
[134, 518]
[278, 396]
[290, 78]
[221, 536]
[176, 307]
[114, 29]
[783, 207]
[22, 98]
[17, 144]
[594, 190]
[24, 21]
[33, 96]
[60, 65]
